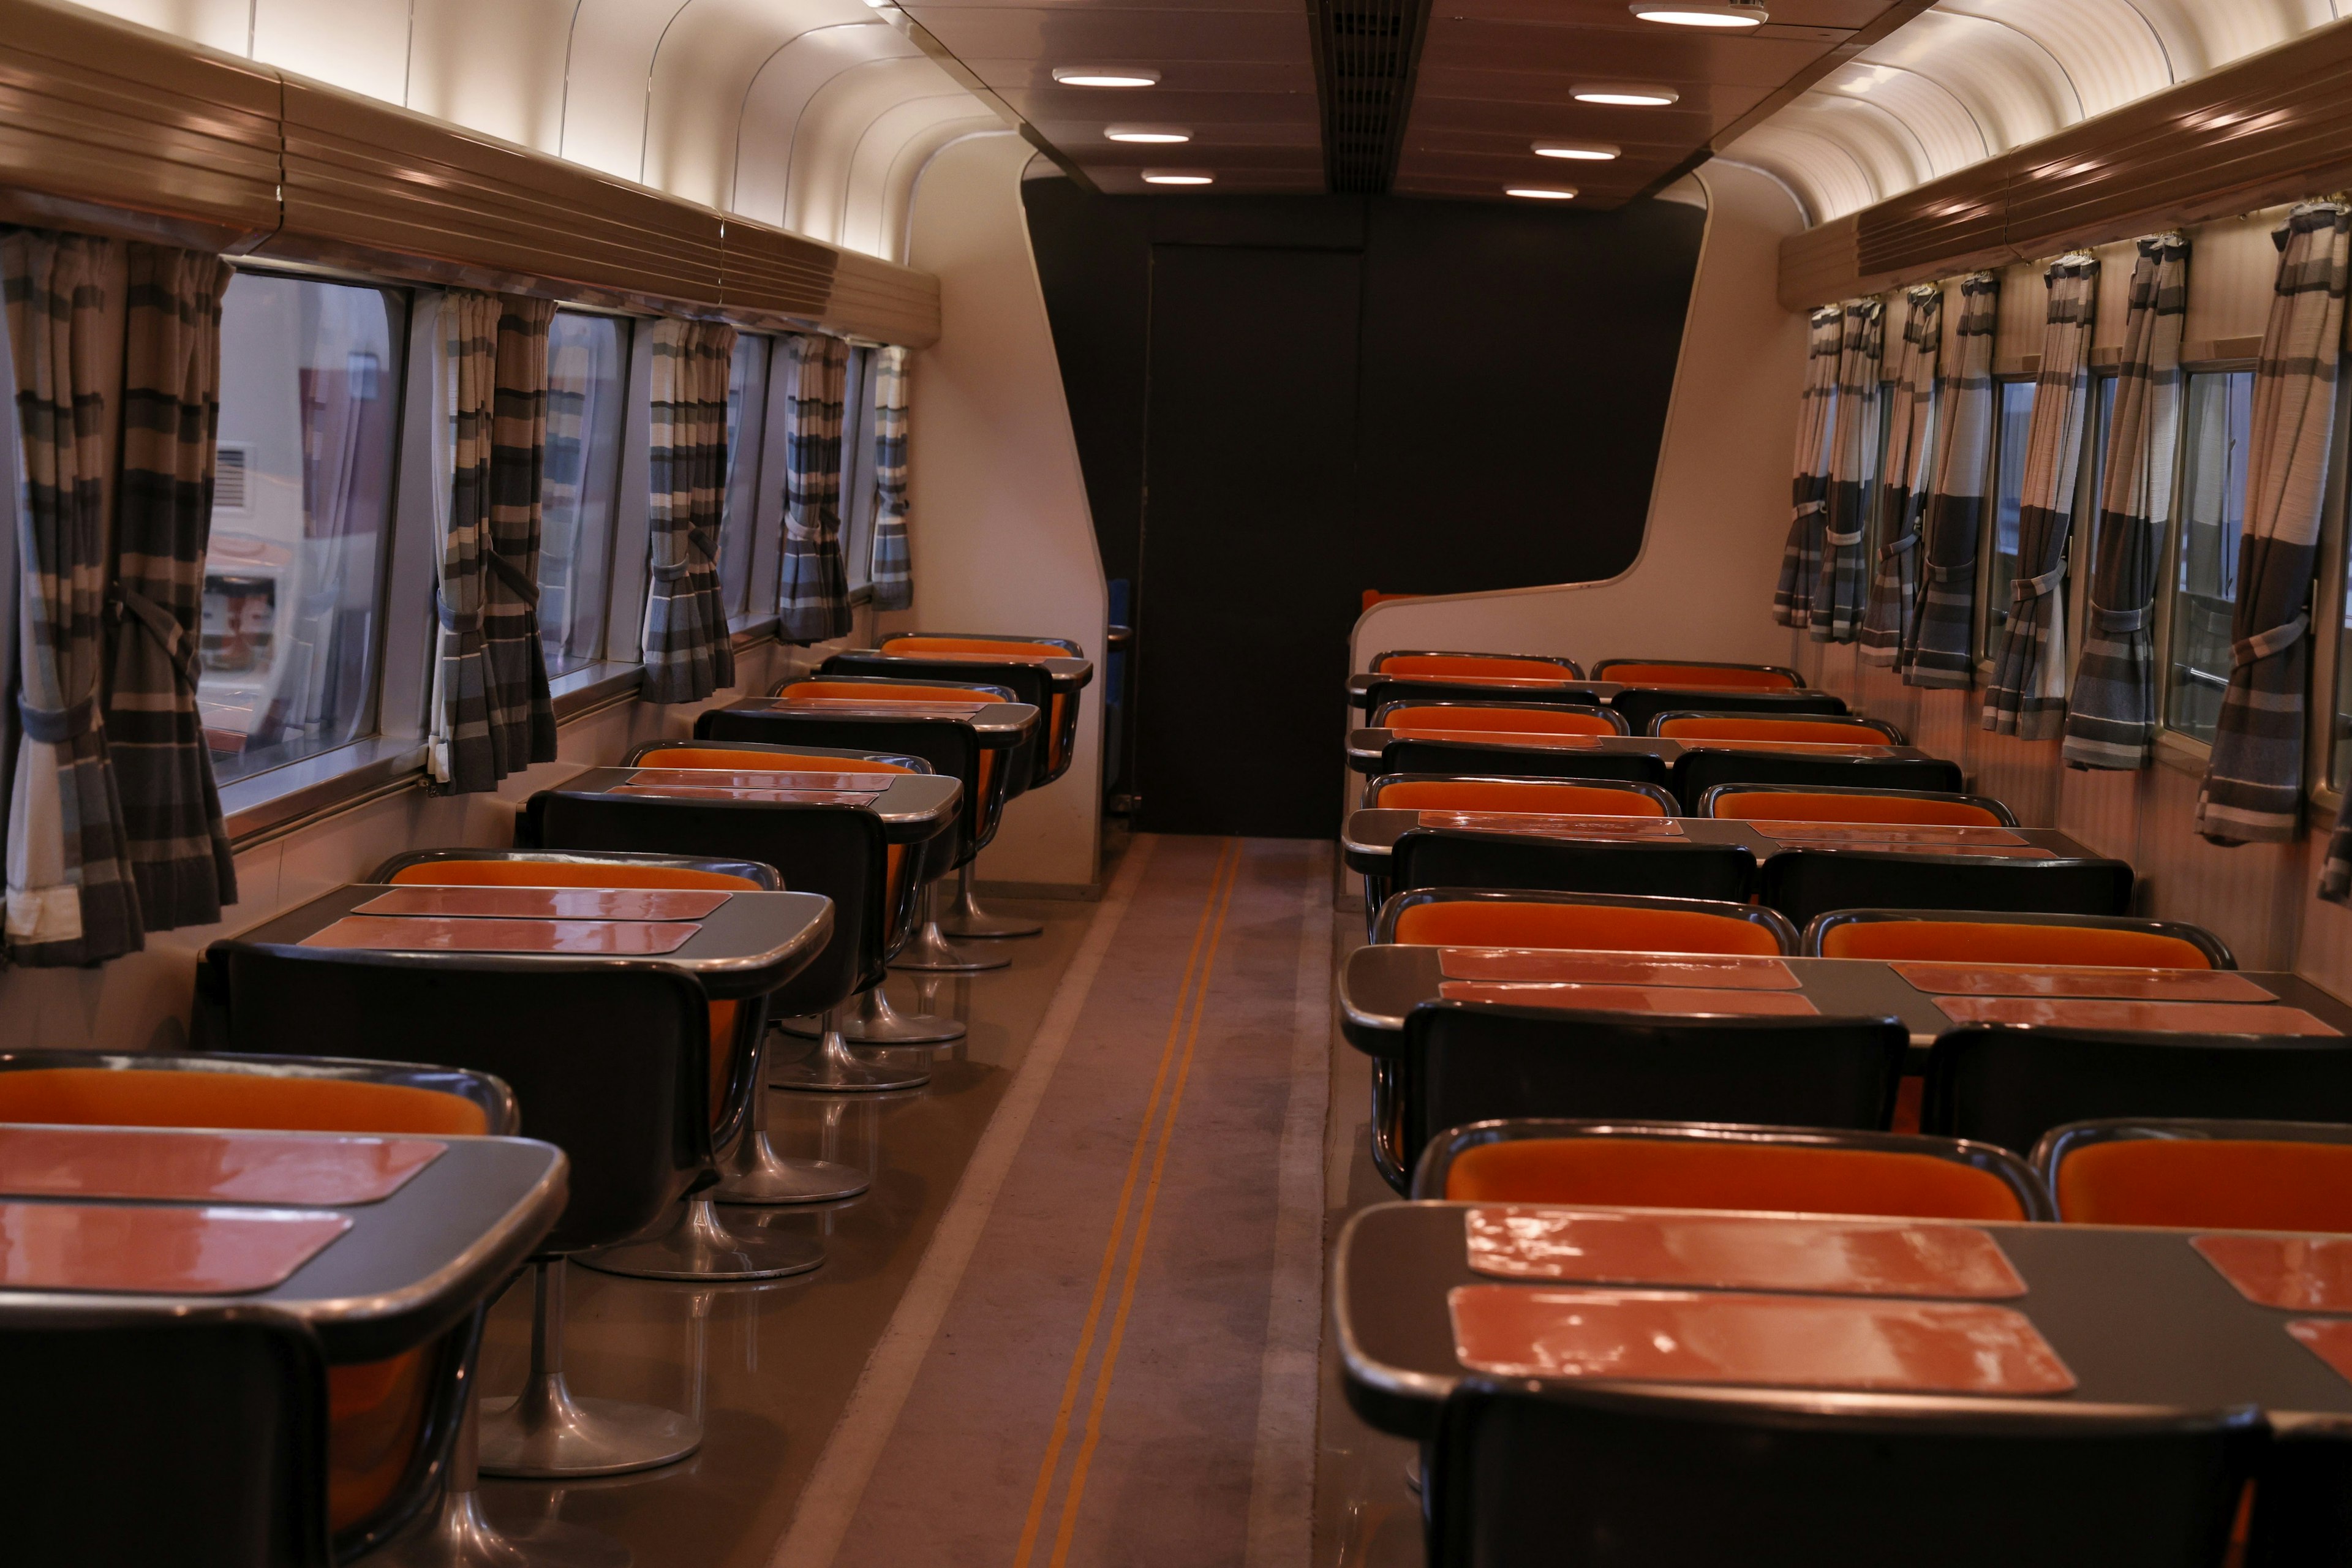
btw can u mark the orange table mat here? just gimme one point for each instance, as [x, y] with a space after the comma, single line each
[2163, 1017]
[399, 935]
[1882, 833]
[547, 904]
[1941, 979]
[172, 1164]
[1707, 970]
[1551, 824]
[762, 778]
[1688, 1002]
[762, 796]
[2299, 1273]
[169, 1249]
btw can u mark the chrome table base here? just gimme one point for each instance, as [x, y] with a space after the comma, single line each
[965, 918]
[461, 1536]
[833, 1070]
[930, 949]
[877, 1023]
[701, 1247]
[751, 1172]
[545, 1433]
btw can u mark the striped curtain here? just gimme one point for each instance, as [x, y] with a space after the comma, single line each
[2254, 783]
[491, 715]
[893, 569]
[2027, 697]
[72, 896]
[178, 847]
[1903, 479]
[688, 650]
[1800, 562]
[1854, 434]
[2112, 722]
[812, 593]
[1939, 652]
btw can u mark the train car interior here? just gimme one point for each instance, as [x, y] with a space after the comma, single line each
[1176, 783]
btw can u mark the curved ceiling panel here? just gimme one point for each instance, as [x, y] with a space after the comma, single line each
[881, 146]
[833, 127]
[606, 51]
[897, 197]
[791, 75]
[702, 71]
[1968, 80]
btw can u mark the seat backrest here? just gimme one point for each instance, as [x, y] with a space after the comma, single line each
[1473, 1061]
[194, 1438]
[471, 867]
[1629, 923]
[161, 1091]
[1506, 665]
[690, 754]
[1522, 718]
[1761, 803]
[1563, 798]
[1790, 1171]
[2201, 1173]
[1697, 676]
[1829, 728]
[2009, 1086]
[1697, 770]
[1429, 754]
[1016, 647]
[946, 746]
[1522, 1474]
[1801, 883]
[1969, 937]
[881, 691]
[1445, 857]
[609, 1059]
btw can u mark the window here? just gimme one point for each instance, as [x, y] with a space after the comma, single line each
[2212, 515]
[2016, 416]
[747, 425]
[2340, 764]
[294, 579]
[587, 389]
[857, 496]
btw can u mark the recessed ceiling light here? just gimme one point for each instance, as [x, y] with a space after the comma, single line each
[1179, 177]
[1735, 14]
[1542, 193]
[1639, 93]
[1106, 76]
[1589, 152]
[1152, 134]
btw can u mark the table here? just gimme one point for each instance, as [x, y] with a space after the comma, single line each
[914, 808]
[1380, 985]
[748, 946]
[1366, 745]
[2136, 1315]
[1048, 681]
[1537, 689]
[404, 1270]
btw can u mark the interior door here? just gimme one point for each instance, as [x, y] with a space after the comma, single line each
[1248, 584]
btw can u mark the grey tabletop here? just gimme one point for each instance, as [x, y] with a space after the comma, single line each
[2136, 1315]
[1372, 832]
[411, 1265]
[912, 807]
[999, 725]
[1365, 746]
[1380, 985]
[1068, 672]
[748, 946]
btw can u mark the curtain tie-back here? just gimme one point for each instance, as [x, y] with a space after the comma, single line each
[1897, 545]
[159, 624]
[1937, 574]
[518, 581]
[697, 541]
[1807, 508]
[56, 726]
[2108, 620]
[456, 623]
[2024, 588]
[1831, 536]
[2263, 645]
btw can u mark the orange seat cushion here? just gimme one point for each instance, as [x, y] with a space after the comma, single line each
[1519, 721]
[1662, 1172]
[1461, 663]
[1004, 648]
[1608, 928]
[886, 691]
[764, 762]
[1500, 795]
[1770, 729]
[1799, 805]
[376, 1411]
[1998, 942]
[1698, 676]
[2218, 1184]
[106, 1097]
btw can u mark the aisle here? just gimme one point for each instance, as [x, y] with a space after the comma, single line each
[1107, 1354]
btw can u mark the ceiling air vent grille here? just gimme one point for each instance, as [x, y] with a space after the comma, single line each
[1367, 50]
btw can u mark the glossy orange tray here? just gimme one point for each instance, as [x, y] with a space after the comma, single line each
[751, 778]
[1681, 1001]
[1740, 1252]
[174, 1163]
[1507, 737]
[398, 934]
[863, 708]
[1763, 1341]
[547, 904]
[764, 797]
[2163, 1017]
[1705, 971]
[1552, 825]
[2330, 1341]
[1529, 682]
[1809, 748]
[1902, 847]
[2299, 1273]
[1882, 833]
[164, 1249]
[2037, 980]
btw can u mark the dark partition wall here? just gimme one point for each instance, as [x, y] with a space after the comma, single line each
[1282, 402]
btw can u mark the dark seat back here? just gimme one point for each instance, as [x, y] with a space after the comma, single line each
[609, 1059]
[1441, 857]
[1406, 754]
[195, 1437]
[1474, 1061]
[1699, 770]
[949, 745]
[1640, 704]
[839, 851]
[2008, 1085]
[1802, 883]
[1522, 1474]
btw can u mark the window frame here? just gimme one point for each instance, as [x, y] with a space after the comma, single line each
[2330, 586]
[601, 665]
[859, 499]
[2177, 747]
[1989, 530]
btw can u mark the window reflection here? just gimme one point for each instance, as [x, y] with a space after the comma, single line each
[587, 382]
[294, 575]
[747, 423]
[2008, 502]
[2212, 517]
[857, 470]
